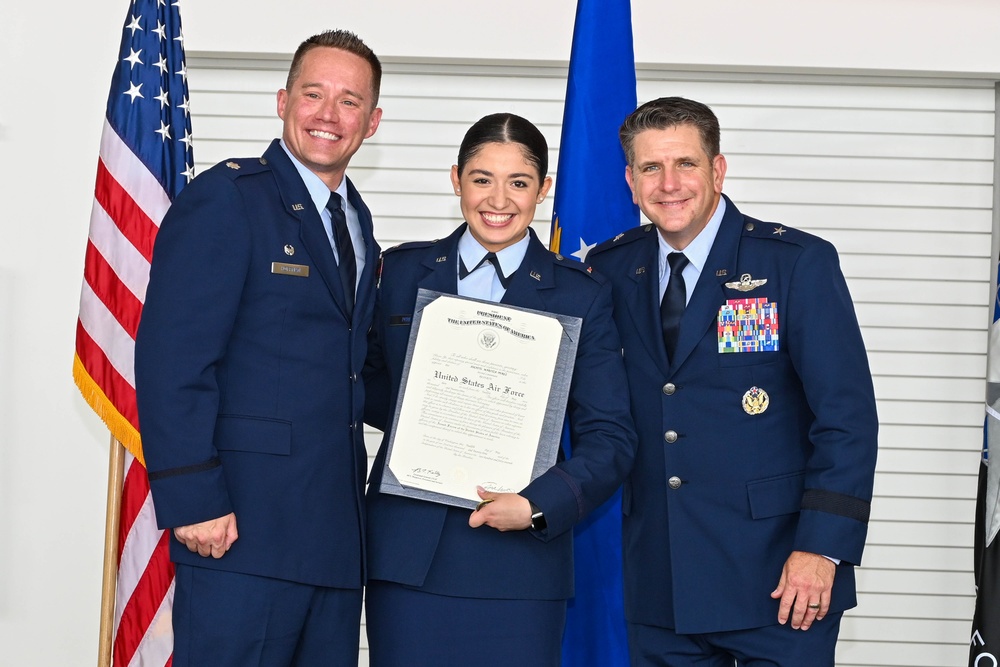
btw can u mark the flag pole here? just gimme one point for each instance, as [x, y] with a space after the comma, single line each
[116, 471]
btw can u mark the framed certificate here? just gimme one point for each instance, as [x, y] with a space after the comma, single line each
[482, 399]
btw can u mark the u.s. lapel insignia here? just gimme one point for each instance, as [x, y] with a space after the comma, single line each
[233, 165]
[298, 207]
[441, 259]
[535, 275]
[289, 250]
[779, 230]
[721, 272]
[640, 271]
[746, 283]
[755, 401]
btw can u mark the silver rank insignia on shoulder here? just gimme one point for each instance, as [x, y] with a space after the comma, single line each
[755, 401]
[617, 237]
[289, 250]
[779, 230]
[442, 259]
[535, 275]
[233, 165]
[746, 283]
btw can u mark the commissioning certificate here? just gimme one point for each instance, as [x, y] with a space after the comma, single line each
[482, 399]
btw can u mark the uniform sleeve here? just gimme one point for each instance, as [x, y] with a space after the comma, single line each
[200, 262]
[602, 435]
[828, 353]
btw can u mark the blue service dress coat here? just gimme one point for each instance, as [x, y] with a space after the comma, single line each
[431, 546]
[721, 494]
[248, 374]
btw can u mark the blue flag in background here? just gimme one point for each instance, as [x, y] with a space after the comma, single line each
[592, 199]
[593, 203]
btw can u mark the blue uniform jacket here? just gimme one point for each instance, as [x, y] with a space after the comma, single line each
[720, 497]
[248, 375]
[430, 545]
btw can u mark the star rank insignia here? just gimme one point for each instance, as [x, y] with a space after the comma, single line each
[746, 283]
[779, 230]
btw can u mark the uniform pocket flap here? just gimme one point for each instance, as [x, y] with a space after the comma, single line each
[253, 434]
[775, 496]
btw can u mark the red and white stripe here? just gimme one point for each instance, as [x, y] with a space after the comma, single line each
[129, 204]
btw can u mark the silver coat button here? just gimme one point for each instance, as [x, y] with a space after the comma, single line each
[674, 482]
[669, 389]
[670, 436]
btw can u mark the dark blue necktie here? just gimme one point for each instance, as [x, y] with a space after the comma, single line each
[348, 263]
[492, 259]
[674, 300]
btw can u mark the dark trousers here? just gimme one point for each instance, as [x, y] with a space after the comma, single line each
[771, 646]
[410, 628]
[226, 619]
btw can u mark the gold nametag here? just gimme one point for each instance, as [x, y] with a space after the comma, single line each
[300, 270]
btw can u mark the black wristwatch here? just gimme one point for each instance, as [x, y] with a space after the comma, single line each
[537, 518]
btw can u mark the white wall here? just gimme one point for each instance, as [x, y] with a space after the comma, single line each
[906, 35]
[55, 67]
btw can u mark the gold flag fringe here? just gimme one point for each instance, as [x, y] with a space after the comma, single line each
[120, 427]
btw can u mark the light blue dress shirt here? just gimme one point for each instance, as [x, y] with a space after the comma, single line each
[320, 194]
[483, 283]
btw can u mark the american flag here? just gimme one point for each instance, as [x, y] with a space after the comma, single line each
[145, 160]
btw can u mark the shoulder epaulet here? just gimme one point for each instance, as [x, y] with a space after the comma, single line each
[628, 236]
[582, 267]
[411, 245]
[236, 167]
[775, 231]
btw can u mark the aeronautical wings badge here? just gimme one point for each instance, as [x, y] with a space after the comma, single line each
[746, 283]
[755, 401]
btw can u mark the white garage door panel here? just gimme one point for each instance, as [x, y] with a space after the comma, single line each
[895, 218]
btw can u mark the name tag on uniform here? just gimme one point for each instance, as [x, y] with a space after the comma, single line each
[299, 270]
[400, 320]
[748, 325]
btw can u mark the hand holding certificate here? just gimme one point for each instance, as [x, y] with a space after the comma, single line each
[482, 399]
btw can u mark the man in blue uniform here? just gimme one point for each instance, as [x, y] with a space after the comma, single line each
[248, 359]
[748, 505]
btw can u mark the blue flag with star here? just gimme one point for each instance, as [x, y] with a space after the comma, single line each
[592, 199]
[593, 203]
